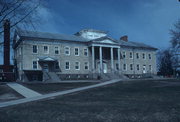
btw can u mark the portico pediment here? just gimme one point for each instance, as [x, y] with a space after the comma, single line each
[104, 40]
[107, 41]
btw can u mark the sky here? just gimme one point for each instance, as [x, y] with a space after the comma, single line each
[146, 21]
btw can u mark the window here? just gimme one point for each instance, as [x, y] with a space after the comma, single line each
[131, 55]
[67, 66]
[86, 52]
[34, 64]
[124, 67]
[138, 67]
[66, 50]
[46, 49]
[86, 65]
[57, 65]
[35, 49]
[76, 51]
[56, 50]
[137, 55]
[144, 56]
[131, 66]
[150, 68]
[77, 65]
[124, 55]
[149, 56]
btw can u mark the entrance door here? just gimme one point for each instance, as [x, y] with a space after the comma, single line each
[46, 67]
[144, 69]
[104, 68]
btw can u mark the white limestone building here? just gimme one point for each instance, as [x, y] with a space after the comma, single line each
[85, 55]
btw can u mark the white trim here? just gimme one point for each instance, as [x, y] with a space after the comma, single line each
[86, 65]
[69, 65]
[87, 52]
[47, 49]
[75, 51]
[149, 56]
[130, 55]
[139, 67]
[68, 50]
[103, 45]
[35, 60]
[78, 65]
[144, 56]
[125, 66]
[136, 55]
[130, 67]
[58, 48]
[36, 47]
[124, 52]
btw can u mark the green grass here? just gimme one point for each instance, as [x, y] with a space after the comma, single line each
[6, 93]
[45, 88]
[136, 101]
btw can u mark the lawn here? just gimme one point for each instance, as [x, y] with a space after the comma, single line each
[45, 88]
[6, 93]
[142, 101]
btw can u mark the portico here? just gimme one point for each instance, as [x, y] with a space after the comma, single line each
[103, 56]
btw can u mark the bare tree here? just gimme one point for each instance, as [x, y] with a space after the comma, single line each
[18, 12]
[175, 42]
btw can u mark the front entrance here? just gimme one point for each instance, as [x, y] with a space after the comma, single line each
[45, 67]
[104, 67]
[144, 69]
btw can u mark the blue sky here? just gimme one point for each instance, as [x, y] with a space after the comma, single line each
[147, 21]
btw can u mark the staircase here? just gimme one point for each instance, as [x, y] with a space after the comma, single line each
[50, 77]
[110, 76]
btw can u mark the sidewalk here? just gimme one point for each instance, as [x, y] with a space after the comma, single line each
[30, 99]
[26, 92]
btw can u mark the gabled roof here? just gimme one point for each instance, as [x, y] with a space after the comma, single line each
[104, 40]
[135, 44]
[45, 35]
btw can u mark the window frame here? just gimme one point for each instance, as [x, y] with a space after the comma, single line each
[58, 49]
[36, 49]
[138, 68]
[47, 49]
[149, 56]
[144, 56]
[124, 54]
[125, 67]
[36, 64]
[69, 65]
[131, 68]
[86, 65]
[76, 65]
[67, 50]
[85, 51]
[137, 55]
[130, 56]
[77, 51]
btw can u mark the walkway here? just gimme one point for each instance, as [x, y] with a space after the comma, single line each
[26, 92]
[30, 99]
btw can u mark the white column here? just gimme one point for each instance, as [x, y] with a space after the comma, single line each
[100, 58]
[93, 59]
[119, 64]
[112, 59]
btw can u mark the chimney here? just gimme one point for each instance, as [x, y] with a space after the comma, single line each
[6, 43]
[124, 38]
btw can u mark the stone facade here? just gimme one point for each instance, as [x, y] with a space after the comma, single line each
[86, 53]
